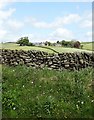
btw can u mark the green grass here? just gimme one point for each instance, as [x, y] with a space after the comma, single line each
[63, 49]
[13, 46]
[29, 93]
[58, 49]
[88, 46]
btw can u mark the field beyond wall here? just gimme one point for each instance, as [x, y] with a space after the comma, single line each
[87, 47]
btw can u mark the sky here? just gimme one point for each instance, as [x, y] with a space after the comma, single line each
[45, 21]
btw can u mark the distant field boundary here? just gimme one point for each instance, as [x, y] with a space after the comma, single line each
[48, 48]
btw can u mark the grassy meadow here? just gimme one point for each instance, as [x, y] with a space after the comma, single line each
[87, 47]
[29, 93]
[13, 46]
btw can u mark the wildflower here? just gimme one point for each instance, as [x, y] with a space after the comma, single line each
[14, 108]
[51, 90]
[65, 116]
[32, 82]
[43, 93]
[23, 85]
[77, 106]
[37, 97]
[92, 100]
[50, 96]
[13, 70]
[82, 102]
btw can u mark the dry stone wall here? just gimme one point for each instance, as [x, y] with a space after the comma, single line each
[40, 59]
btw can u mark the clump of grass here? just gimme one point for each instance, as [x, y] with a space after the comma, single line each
[29, 93]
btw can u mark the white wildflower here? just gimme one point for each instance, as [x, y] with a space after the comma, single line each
[43, 93]
[82, 102]
[92, 100]
[14, 108]
[77, 106]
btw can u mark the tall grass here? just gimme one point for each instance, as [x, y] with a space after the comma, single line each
[29, 93]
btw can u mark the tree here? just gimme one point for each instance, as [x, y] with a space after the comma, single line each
[49, 43]
[72, 43]
[46, 43]
[66, 43]
[23, 41]
[63, 42]
[77, 44]
[58, 42]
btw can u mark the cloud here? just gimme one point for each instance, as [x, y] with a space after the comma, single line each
[62, 33]
[71, 18]
[89, 34]
[58, 22]
[2, 34]
[14, 24]
[86, 21]
[10, 37]
[86, 24]
[10, 27]
[4, 3]
[5, 14]
[77, 7]
[7, 24]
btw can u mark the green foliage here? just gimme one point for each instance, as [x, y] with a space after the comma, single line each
[23, 41]
[47, 43]
[29, 92]
[66, 43]
[63, 42]
[75, 44]
[58, 42]
[30, 44]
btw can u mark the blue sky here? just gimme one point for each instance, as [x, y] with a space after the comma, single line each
[46, 21]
